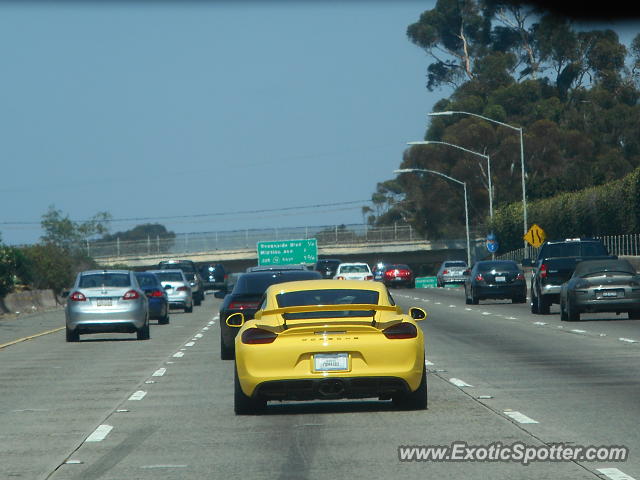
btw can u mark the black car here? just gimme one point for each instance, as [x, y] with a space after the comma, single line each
[214, 277]
[495, 279]
[327, 267]
[246, 296]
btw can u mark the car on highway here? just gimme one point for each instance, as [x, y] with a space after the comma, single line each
[327, 267]
[178, 288]
[156, 296]
[605, 285]
[353, 271]
[245, 297]
[327, 340]
[214, 277]
[399, 275]
[106, 301]
[495, 279]
[191, 273]
[451, 272]
[378, 271]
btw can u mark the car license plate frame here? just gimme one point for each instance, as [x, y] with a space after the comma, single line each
[611, 293]
[501, 279]
[104, 302]
[331, 362]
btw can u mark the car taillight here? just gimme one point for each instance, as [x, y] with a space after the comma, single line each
[520, 276]
[479, 277]
[77, 297]
[155, 293]
[182, 289]
[369, 277]
[444, 272]
[401, 330]
[256, 336]
[543, 270]
[242, 305]
[131, 295]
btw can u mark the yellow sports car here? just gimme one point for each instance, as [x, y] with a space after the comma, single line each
[329, 339]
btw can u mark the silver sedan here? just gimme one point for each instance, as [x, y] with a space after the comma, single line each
[178, 288]
[104, 301]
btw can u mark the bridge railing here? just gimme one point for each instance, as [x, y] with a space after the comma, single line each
[186, 243]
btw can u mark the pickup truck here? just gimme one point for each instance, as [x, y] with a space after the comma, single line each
[555, 265]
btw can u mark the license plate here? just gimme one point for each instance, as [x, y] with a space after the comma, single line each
[501, 279]
[103, 302]
[330, 362]
[610, 293]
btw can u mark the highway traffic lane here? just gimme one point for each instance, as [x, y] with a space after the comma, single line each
[581, 388]
[54, 393]
[18, 327]
[597, 324]
[184, 428]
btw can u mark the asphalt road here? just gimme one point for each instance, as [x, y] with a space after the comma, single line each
[111, 407]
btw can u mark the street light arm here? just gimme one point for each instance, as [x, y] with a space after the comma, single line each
[435, 114]
[429, 142]
[426, 170]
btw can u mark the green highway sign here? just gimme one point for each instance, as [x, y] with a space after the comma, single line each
[288, 252]
[426, 282]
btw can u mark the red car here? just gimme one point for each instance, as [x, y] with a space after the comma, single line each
[399, 275]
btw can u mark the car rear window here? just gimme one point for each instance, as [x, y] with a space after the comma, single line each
[257, 283]
[455, 264]
[184, 266]
[147, 280]
[354, 269]
[592, 267]
[499, 266]
[169, 277]
[573, 249]
[328, 297]
[95, 280]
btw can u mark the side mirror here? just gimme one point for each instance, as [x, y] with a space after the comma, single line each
[417, 313]
[527, 262]
[235, 320]
[65, 293]
[168, 287]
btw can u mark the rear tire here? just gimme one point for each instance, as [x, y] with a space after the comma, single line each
[543, 305]
[72, 335]
[573, 315]
[144, 332]
[563, 313]
[164, 320]
[414, 400]
[188, 309]
[242, 404]
[474, 298]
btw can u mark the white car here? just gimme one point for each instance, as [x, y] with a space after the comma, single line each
[353, 271]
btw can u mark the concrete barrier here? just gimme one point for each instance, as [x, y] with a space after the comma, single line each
[29, 301]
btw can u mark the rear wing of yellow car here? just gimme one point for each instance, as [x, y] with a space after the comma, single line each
[366, 307]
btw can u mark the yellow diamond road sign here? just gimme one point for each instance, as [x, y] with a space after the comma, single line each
[535, 236]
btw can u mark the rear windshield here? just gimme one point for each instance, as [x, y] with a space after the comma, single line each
[455, 264]
[170, 277]
[398, 267]
[147, 280]
[499, 266]
[257, 283]
[354, 269]
[95, 280]
[185, 267]
[597, 267]
[573, 249]
[328, 297]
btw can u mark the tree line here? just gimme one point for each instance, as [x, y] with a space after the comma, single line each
[574, 92]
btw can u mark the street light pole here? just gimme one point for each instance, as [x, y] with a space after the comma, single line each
[519, 130]
[429, 142]
[466, 207]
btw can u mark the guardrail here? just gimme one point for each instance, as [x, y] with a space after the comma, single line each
[616, 245]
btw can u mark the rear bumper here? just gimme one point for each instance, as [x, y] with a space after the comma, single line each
[331, 388]
[501, 291]
[116, 320]
[609, 305]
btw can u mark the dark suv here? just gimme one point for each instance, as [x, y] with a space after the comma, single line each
[214, 277]
[192, 274]
[246, 296]
[328, 267]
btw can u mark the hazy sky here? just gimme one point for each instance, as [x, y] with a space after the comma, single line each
[179, 109]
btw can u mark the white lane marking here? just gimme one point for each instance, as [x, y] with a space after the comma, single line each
[615, 474]
[511, 318]
[73, 462]
[178, 354]
[438, 303]
[452, 306]
[427, 362]
[519, 417]
[210, 323]
[139, 395]
[628, 340]
[163, 466]
[199, 335]
[99, 433]
[484, 397]
[416, 298]
[459, 383]
[205, 329]
[469, 309]
[577, 330]
[539, 323]
[486, 313]
[189, 344]
[160, 372]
